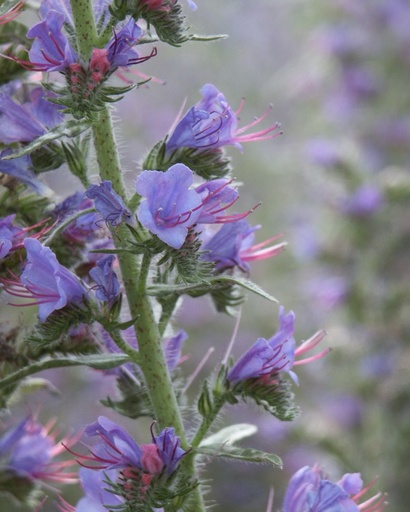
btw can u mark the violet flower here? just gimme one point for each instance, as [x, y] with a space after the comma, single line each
[82, 229]
[232, 246]
[51, 50]
[212, 123]
[117, 450]
[119, 48]
[27, 451]
[170, 207]
[363, 202]
[26, 121]
[108, 203]
[98, 495]
[266, 358]
[108, 287]
[310, 491]
[21, 169]
[50, 285]
[12, 237]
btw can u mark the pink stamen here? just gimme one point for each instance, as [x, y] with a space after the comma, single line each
[257, 119]
[311, 343]
[269, 252]
[312, 358]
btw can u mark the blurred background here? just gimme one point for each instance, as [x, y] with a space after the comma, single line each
[337, 185]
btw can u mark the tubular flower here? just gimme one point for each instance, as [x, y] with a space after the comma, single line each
[117, 449]
[171, 206]
[108, 287]
[266, 358]
[21, 169]
[212, 123]
[50, 285]
[108, 203]
[51, 50]
[27, 451]
[12, 237]
[26, 121]
[310, 491]
[232, 246]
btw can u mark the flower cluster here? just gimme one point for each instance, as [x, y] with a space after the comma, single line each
[130, 471]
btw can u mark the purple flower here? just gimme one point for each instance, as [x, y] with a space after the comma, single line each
[169, 449]
[170, 207]
[117, 450]
[51, 50]
[365, 200]
[20, 168]
[211, 123]
[232, 246]
[266, 358]
[50, 285]
[309, 491]
[9, 235]
[108, 287]
[119, 48]
[97, 493]
[172, 349]
[83, 228]
[27, 121]
[108, 203]
[27, 451]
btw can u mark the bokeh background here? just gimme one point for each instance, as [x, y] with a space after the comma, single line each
[337, 185]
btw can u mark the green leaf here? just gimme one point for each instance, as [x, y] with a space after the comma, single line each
[235, 452]
[230, 435]
[97, 361]
[211, 37]
[204, 287]
[71, 128]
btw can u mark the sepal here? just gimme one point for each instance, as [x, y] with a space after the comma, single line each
[275, 396]
[134, 401]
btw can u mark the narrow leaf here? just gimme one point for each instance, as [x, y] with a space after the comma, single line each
[211, 284]
[71, 128]
[230, 435]
[235, 452]
[97, 361]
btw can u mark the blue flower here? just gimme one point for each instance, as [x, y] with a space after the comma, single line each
[20, 168]
[27, 451]
[108, 203]
[50, 285]
[26, 121]
[51, 50]
[108, 287]
[169, 449]
[233, 246]
[310, 491]
[268, 357]
[212, 123]
[170, 207]
[120, 52]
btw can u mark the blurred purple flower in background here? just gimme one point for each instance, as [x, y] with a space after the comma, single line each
[28, 450]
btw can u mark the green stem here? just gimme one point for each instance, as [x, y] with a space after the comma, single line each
[123, 345]
[207, 422]
[85, 29]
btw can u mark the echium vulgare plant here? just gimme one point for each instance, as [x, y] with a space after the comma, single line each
[107, 267]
